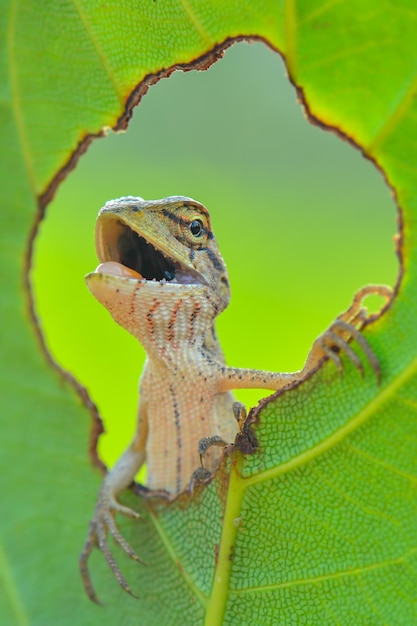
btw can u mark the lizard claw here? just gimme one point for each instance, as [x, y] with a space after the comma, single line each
[201, 474]
[240, 413]
[207, 442]
[348, 326]
[101, 525]
[199, 477]
[332, 343]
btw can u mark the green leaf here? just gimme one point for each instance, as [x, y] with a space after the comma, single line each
[319, 526]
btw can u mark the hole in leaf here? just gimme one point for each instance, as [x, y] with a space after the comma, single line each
[302, 220]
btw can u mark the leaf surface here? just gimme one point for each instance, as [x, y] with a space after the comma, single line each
[319, 526]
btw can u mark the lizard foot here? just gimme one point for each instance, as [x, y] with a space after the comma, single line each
[201, 474]
[348, 326]
[207, 442]
[102, 524]
[245, 440]
[336, 340]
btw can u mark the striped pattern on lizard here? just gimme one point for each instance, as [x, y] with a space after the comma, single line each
[162, 277]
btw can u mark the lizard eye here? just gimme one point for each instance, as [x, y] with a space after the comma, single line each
[196, 228]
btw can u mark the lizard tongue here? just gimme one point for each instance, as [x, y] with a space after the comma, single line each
[117, 269]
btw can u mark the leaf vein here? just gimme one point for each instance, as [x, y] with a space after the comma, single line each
[290, 23]
[195, 22]
[384, 464]
[99, 52]
[356, 571]
[11, 590]
[337, 436]
[175, 558]
[16, 100]
[401, 106]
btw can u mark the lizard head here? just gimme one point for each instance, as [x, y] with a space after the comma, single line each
[163, 246]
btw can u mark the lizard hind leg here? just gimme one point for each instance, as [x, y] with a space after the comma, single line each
[103, 523]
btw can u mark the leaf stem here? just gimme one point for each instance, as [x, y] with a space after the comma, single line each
[216, 606]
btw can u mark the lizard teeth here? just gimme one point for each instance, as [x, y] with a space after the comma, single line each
[181, 277]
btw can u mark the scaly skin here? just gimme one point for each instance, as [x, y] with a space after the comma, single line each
[169, 299]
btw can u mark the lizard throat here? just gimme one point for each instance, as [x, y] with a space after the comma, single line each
[123, 252]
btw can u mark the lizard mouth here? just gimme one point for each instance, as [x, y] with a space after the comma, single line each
[123, 252]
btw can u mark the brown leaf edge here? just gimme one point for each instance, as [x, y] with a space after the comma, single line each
[254, 414]
[245, 441]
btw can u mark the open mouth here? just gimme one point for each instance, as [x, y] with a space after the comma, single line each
[124, 252]
[139, 255]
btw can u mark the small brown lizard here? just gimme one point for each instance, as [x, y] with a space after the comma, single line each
[162, 277]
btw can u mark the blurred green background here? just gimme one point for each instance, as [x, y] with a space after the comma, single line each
[302, 219]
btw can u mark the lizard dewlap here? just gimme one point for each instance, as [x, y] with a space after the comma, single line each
[117, 269]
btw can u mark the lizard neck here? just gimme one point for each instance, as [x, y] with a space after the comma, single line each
[172, 324]
[173, 331]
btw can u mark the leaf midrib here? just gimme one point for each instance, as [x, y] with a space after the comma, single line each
[217, 605]
[101, 56]
[175, 559]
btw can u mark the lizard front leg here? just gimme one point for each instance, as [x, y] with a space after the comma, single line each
[334, 340]
[102, 523]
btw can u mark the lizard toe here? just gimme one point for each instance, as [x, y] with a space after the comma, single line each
[121, 541]
[111, 561]
[89, 545]
[101, 526]
[336, 340]
[199, 477]
[116, 507]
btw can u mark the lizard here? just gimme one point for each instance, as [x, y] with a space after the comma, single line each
[162, 277]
